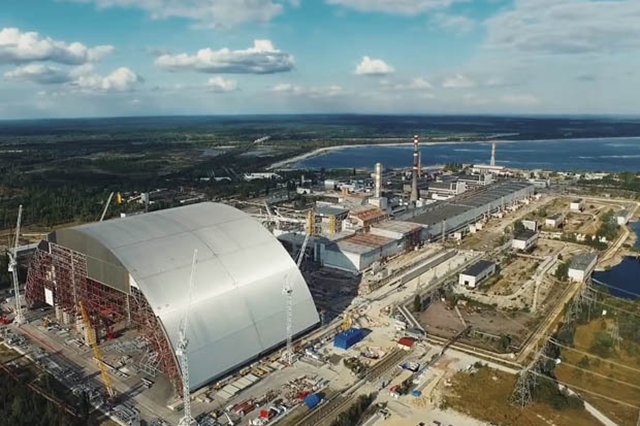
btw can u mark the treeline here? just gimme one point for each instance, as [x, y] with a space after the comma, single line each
[20, 405]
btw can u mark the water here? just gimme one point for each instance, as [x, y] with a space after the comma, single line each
[636, 228]
[605, 154]
[624, 276]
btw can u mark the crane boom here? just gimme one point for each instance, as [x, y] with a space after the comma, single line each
[13, 268]
[183, 359]
[96, 351]
[106, 207]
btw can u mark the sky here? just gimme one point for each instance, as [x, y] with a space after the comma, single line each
[88, 58]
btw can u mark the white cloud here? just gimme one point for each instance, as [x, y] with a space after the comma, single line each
[262, 58]
[220, 85]
[522, 100]
[207, 13]
[396, 7]
[373, 67]
[416, 84]
[456, 23]
[308, 91]
[23, 47]
[567, 27]
[458, 81]
[121, 80]
[38, 73]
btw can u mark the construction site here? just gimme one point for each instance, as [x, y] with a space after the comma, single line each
[276, 310]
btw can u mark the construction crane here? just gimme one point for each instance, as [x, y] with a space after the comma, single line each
[287, 292]
[183, 358]
[106, 207]
[13, 268]
[91, 334]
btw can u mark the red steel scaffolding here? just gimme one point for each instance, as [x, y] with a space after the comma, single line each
[64, 272]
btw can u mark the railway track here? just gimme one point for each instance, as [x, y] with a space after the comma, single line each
[386, 364]
[327, 412]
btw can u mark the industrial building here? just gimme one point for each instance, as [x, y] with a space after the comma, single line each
[622, 217]
[525, 240]
[356, 252]
[554, 221]
[467, 209]
[133, 274]
[577, 205]
[582, 266]
[476, 273]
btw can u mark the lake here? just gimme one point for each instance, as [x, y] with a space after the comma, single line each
[606, 154]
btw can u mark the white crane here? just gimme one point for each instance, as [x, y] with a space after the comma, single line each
[13, 268]
[106, 207]
[183, 359]
[287, 292]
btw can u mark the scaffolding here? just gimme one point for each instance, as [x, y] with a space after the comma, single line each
[63, 273]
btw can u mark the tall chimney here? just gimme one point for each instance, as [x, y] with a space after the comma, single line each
[493, 154]
[414, 182]
[378, 182]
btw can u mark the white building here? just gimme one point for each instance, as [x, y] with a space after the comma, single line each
[447, 188]
[486, 168]
[554, 221]
[577, 204]
[476, 273]
[263, 175]
[622, 217]
[582, 266]
[525, 240]
[530, 224]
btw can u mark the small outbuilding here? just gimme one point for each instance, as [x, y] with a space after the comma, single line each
[525, 240]
[476, 273]
[554, 221]
[582, 266]
[577, 205]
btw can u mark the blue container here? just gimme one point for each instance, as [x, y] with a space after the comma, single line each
[416, 393]
[348, 338]
[312, 400]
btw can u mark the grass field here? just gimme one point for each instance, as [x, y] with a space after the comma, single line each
[485, 394]
[610, 385]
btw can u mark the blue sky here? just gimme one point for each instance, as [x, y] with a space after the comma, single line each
[73, 58]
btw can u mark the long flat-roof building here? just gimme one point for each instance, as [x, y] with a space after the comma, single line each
[135, 271]
[468, 208]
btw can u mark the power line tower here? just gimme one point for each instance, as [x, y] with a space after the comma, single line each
[183, 358]
[13, 268]
[523, 391]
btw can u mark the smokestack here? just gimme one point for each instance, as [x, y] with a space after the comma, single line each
[414, 183]
[378, 182]
[493, 154]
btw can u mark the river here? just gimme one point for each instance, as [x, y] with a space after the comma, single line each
[605, 154]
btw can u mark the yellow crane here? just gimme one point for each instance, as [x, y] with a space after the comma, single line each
[96, 351]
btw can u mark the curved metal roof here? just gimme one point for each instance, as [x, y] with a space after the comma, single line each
[237, 310]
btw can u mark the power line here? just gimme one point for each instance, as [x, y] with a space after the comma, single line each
[615, 288]
[570, 387]
[556, 343]
[630, 302]
[594, 373]
[614, 307]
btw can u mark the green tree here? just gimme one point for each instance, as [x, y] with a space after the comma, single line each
[562, 271]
